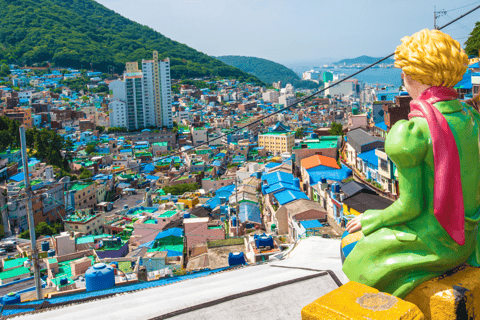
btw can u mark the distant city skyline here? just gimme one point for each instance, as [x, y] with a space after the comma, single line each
[295, 31]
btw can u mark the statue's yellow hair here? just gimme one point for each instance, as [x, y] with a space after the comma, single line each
[432, 57]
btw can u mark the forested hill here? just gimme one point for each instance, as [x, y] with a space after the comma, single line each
[266, 70]
[75, 33]
[472, 45]
[364, 60]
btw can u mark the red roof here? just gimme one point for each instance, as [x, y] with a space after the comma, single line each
[319, 160]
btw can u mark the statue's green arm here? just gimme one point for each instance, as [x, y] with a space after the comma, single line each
[407, 145]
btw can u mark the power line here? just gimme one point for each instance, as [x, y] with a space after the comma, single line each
[467, 5]
[269, 115]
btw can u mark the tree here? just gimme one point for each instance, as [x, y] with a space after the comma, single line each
[100, 129]
[4, 70]
[336, 129]
[90, 148]
[299, 133]
[85, 174]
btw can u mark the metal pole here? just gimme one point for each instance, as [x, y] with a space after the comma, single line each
[236, 204]
[434, 17]
[31, 222]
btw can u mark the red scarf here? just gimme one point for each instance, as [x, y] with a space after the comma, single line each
[447, 193]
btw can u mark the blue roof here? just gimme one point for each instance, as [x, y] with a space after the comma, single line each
[381, 125]
[310, 224]
[369, 157]
[272, 165]
[148, 168]
[278, 176]
[475, 65]
[151, 177]
[174, 232]
[217, 163]
[249, 212]
[123, 185]
[280, 186]
[329, 174]
[286, 196]
[19, 177]
[172, 253]
[465, 83]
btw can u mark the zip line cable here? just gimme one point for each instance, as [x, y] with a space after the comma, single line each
[272, 114]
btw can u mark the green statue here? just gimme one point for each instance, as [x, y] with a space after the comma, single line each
[433, 226]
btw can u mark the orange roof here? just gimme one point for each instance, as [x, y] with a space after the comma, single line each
[318, 160]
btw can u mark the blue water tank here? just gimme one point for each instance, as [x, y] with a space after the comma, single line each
[63, 281]
[99, 277]
[235, 259]
[186, 215]
[11, 298]
[264, 241]
[296, 183]
[115, 263]
[51, 253]
[324, 180]
[234, 221]
[223, 199]
[314, 136]
[259, 174]
[45, 245]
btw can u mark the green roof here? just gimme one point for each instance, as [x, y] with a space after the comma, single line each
[81, 186]
[52, 260]
[276, 133]
[13, 273]
[215, 227]
[64, 270]
[165, 247]
[160, 144]
[150, 221]
[12, 151]
[88, 239]
[14, 263]
[168, 214]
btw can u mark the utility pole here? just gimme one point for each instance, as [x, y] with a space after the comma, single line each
[236, 203]
[31, 222]
[437, 14]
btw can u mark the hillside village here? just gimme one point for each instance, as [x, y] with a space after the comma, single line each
[169, 177]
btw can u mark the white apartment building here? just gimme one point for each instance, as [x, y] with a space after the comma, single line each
[157, 92]
[271, 96]
[287, 100]
[119, 91]
[118, 113]
[345, 88]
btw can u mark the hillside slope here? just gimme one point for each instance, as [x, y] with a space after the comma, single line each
[266, 70]
[81, 33]
[364, 60]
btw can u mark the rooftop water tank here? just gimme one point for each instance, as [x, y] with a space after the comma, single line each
[11, 298]
[99, 277]
[354, 111]
[51, 253]
[63, 281]
[259, 175]
[234, 221]
[264, 241]
[324, 180]
[45, 245]
[314, 136]
[186, 215]
[235, 259]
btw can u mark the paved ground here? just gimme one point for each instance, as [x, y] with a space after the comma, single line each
[275, 290]
[218, 257]
[131, 200]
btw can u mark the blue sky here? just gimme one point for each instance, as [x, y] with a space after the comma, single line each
[295, 31]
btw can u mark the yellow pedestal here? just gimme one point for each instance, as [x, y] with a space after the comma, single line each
[354, 301]
[450, 297]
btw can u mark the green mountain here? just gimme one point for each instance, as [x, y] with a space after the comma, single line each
[77, 33]
[364, 60]
[267, 71]
[472, 45]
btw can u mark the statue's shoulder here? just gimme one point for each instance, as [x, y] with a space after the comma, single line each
[407, 142]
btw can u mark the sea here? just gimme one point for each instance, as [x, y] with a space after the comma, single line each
[381, 76]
